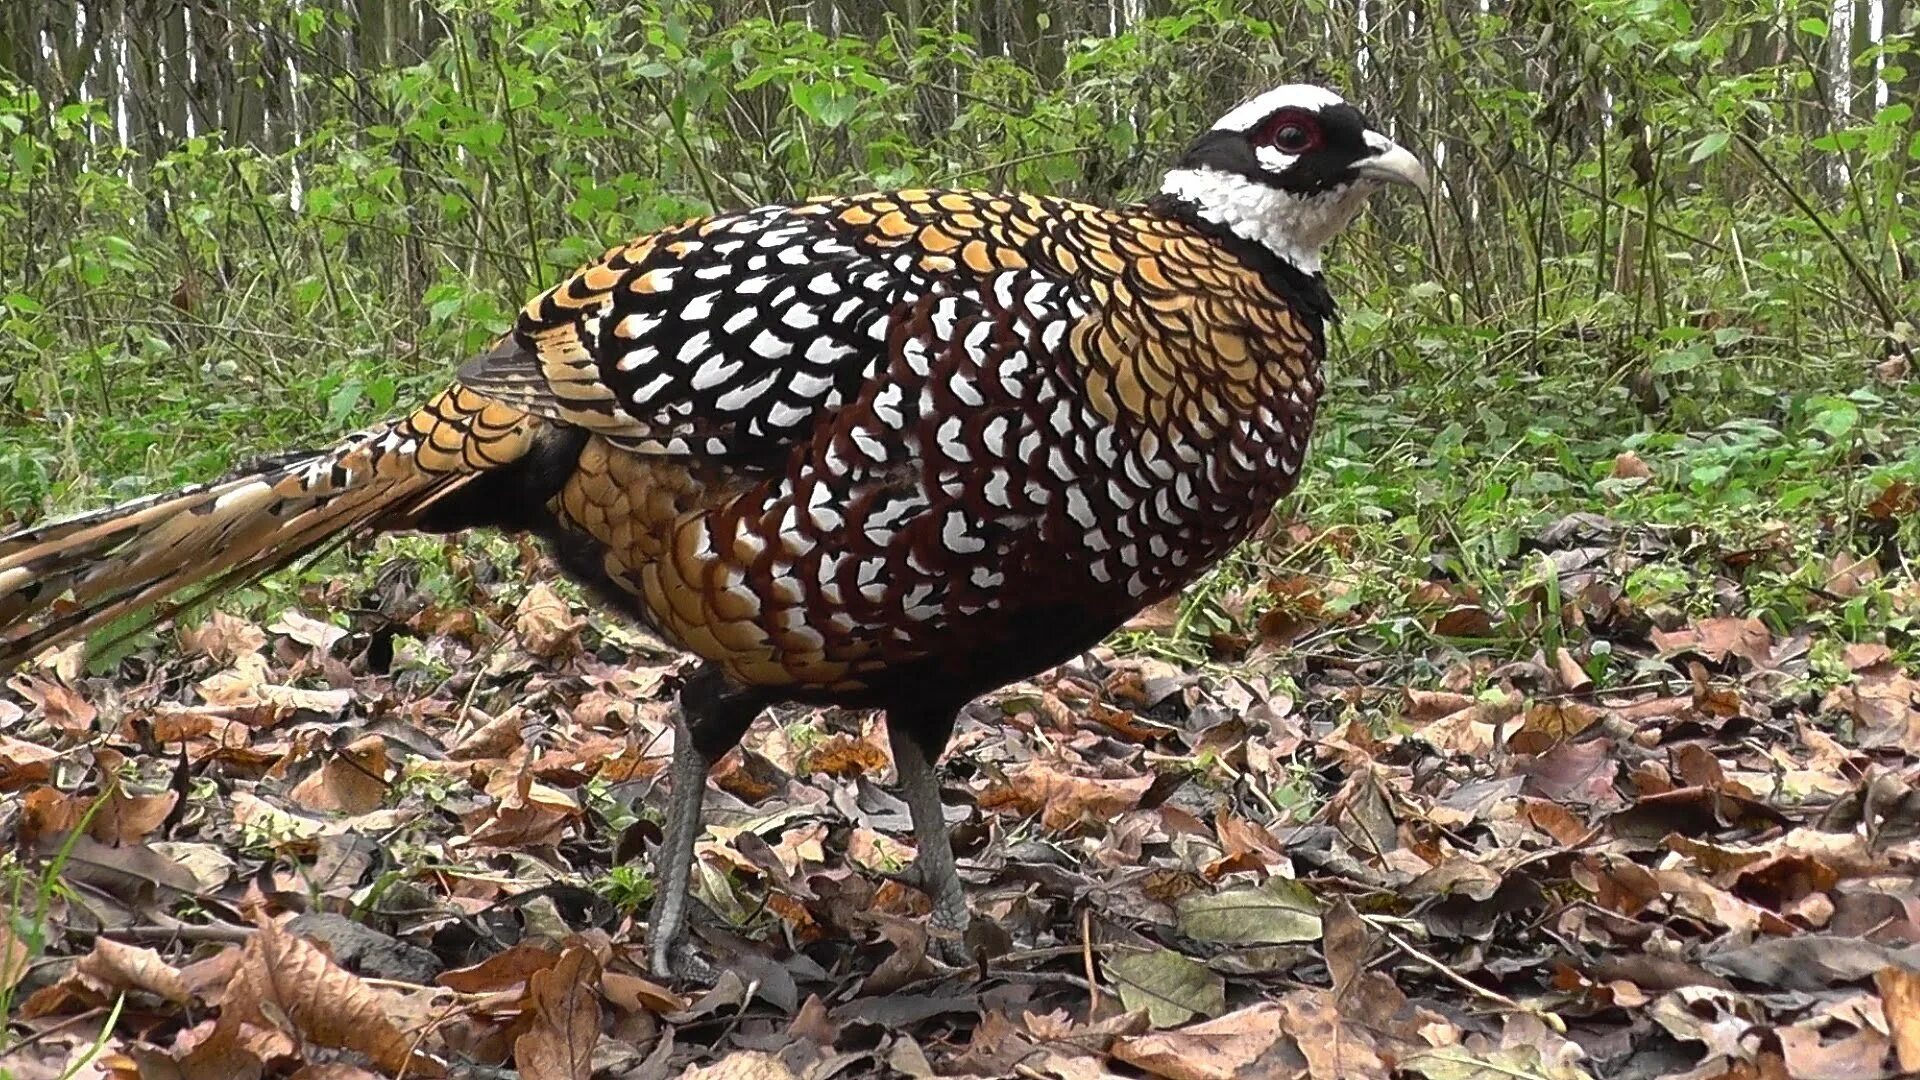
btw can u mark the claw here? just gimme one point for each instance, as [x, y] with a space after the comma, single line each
[676, 961]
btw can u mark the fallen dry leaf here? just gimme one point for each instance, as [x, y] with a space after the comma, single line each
[1171, 988]
[14, 955]
[1812, 1051]
[840, 754]
[565, 1019]
[1628, 466]
[223, 637]
[24, 763]
[635, 994]
[120, 818]
[743, 1065]
[60, 705]
[1334, 1048]
[1062, 799]
[1900, 1001]
[129, 967]
[351, 781]
[287, 983]
[1278, 912]
[308, 631]
[1884, 701]
[1716, 639]
[501, 971]
[546, 625]
[1218, 1049]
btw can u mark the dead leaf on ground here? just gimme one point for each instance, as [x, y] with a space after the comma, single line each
[352, 780]
[1277, 912]
[288, 983]
[501, 971]
[1172, 989]
[565, 1011]
[1819, 1049]
[743, 1065]
[116, 966]
[1470, 731]
[1061, 798]
[223, 637]
[546, 625]
[1811, 962]
[1335, 1048]
[1900, 1002]
[1549, 723]
[307, 630]
[1627, 465]
[635, 994]
[1218, 1049]
[23, 764]
[15, 955]
[60, 705]
[1848, 574]
[841, 754]
[1158, 618]
[1716, 639]
[1884, 703]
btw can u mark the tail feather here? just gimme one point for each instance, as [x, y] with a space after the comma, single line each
[66, 578]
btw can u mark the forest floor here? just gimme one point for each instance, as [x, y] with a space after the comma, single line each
[1626, 793]
[1564, 724]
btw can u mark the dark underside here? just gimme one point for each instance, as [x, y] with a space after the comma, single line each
[924, 695]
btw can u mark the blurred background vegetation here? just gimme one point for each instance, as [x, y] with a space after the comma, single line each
[1679, 232]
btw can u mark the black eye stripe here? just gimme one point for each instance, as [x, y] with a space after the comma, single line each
[1340, 141]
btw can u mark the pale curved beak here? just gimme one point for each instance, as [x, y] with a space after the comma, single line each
[1391, 163]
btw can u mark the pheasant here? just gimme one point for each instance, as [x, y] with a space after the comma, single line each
[891, 450]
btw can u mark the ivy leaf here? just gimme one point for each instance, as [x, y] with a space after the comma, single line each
[1835, 418]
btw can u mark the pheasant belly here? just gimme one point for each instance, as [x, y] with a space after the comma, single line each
[922, 564]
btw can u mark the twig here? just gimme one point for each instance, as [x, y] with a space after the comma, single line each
[53, 1029]
[463, 996]
[1024, 159]
[1042, 978]
[1868, 281]
[188, 932]
[694, 157]
[1550, 1019]
[1086, 960]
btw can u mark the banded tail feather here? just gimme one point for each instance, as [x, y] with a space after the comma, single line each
[64, 579]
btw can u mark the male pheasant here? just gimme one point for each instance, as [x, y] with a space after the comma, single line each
[891, 450]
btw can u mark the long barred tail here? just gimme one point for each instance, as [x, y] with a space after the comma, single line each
[64, 579]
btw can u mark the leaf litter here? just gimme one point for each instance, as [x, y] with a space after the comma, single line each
[1563, 837]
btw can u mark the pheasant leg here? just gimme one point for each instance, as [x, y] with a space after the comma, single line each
[933, 865]
[710, 721]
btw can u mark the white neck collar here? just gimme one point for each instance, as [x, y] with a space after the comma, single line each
[1291, 226]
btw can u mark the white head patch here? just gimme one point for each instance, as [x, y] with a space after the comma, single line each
[1294, 95]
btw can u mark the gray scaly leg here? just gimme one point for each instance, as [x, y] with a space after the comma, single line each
[920, 784]
[712, 717]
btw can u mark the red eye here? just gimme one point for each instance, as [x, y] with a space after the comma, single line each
[1292, 132]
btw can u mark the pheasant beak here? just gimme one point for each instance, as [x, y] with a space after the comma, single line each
[1391, 163]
